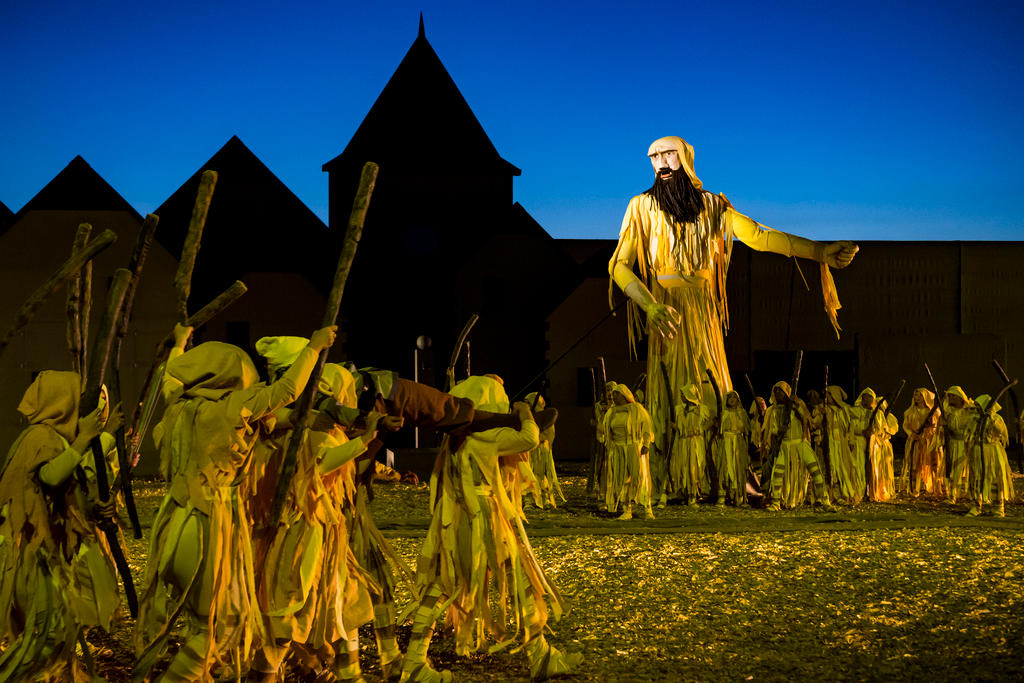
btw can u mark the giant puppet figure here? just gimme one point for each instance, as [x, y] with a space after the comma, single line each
[681, 236]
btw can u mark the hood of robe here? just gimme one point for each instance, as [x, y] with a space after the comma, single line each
[755, 409]
[485, 392]
[957, 391]
[786, 389]
[624, 390]
[691, 394]
[336, 381]
[280, 352]
[212, 370]
[732, 392]
[870, 392]
[52, 399]
[837, 394]
[927, 396]
[983, 401]
[685, 150]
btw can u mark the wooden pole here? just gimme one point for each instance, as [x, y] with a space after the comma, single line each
[90, 399]
[74, 303]
[187, 262]
[135, 264]
[348, 253]
[147, 397]
[183, 286]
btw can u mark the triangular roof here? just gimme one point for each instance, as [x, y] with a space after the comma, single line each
[421, 117]
[255, 223]
[77, 188]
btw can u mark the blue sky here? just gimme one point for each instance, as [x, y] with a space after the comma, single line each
[866, 120]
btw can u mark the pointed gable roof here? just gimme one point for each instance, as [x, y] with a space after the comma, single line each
[77, 188]
[255, 223]
[422, 111]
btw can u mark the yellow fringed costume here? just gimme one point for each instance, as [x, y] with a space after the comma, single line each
[476, 554]
[991, 479]
[58, 577]
[732, 454]
[794, 450]
[688, 465]
[626, 433]
[542, 462]
[866, 445]
[312, 592]
[956, 422]
[200, 564]
[923, 458]
[847, 469]
[683, 268]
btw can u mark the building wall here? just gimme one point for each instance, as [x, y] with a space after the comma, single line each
[954, 305]
[34, 247]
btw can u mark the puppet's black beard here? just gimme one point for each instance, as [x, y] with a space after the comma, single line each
[677, 196]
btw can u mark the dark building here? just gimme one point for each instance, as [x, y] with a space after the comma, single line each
[443, 238]
[954, 305]
[35, 242]
[259, 232]
[5, 217]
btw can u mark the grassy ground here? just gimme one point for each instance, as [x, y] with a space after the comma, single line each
[910, 590]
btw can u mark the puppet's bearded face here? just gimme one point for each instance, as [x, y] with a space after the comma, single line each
[665, 159]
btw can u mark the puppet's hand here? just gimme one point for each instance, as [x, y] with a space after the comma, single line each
[664, 319]
[840, 254]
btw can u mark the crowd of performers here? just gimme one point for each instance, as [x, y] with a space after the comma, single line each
[264, 555]
[247, 591]
[790, 451]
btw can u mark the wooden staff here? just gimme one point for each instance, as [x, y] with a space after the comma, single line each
[90, 399]
[61, 276]
[594, 444]
[183, 287]
[1016, 415]
[348, 252]
[148, 396]
[73, 304]
[138, 259]
[453, 361]
[85, 294]
[187, 262]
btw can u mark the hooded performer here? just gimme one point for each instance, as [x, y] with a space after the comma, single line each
[58, 577]
[312, 591]
[200, 563]
[542, 461]
[847, 470]
[626, 433]
[957, 416]
[476, 546]
[688, 466]
[922, 459]
[991, 478]
[680, 237]
[733, 455]
[867, 443]
[795, 446]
